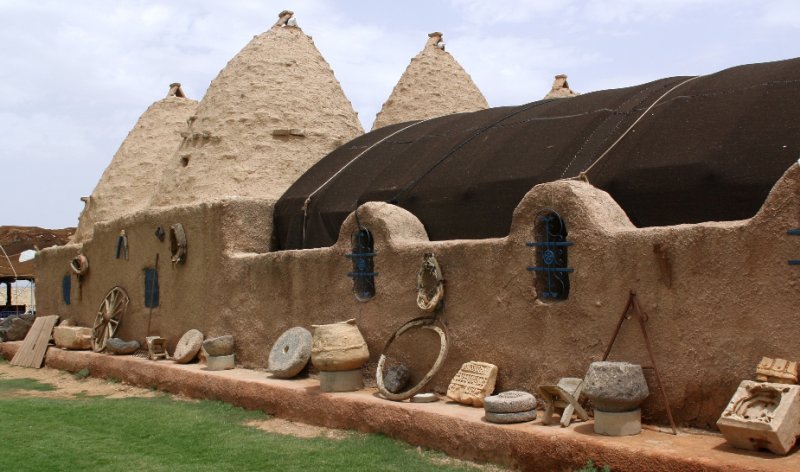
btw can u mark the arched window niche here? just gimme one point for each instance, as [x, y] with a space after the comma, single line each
[552, 258]
[362, 254]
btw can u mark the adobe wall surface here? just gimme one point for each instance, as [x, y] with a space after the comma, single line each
[192, 294]
[725, 298]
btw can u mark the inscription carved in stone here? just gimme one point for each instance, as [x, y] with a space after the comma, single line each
[473, 382]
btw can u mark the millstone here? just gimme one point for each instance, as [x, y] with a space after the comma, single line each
[219, 346]
[513, 401]
[188, 346]
[506, 418]
[396, 378]
[290, 353]
[118, 346]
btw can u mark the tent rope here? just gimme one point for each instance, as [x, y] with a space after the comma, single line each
[307, 202]
[644, 113]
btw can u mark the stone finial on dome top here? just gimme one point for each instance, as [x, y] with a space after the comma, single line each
[175, 90]
[436, 40]
[561, 88]
[286, 18]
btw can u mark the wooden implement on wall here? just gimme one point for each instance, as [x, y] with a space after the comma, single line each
[33, 349]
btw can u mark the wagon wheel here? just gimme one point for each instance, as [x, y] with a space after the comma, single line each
[108, 317]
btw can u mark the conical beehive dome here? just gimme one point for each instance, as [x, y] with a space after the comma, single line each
[132, 177]
[270, 114]
[561, 88]
[434, 84]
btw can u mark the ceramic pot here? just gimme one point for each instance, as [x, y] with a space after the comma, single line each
[338, 346]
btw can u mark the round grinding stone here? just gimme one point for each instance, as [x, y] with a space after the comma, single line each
[505, 418]
[425, 398]
[188, 346]
[513, 401]
[290, 353]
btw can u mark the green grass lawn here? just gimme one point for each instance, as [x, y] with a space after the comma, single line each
[163, 434]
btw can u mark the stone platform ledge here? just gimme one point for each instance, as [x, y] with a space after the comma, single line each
[457, 430]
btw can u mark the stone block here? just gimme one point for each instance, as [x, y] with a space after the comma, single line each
[472, 383]
[396, 378]
[618, 423]
[776, 371]
[615, 386]
[341, 381]
[290, 353]
[72, 337]
[220, 362]
[15, 328]
[118, 346]
[219, 346]
[762, 416]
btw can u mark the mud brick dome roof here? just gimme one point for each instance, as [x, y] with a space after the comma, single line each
[434, 84]
[271, 113]
[131, 178]
[671, 151]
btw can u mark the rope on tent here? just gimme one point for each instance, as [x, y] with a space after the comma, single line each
[644, 113]
[460, 145]
[307, 202]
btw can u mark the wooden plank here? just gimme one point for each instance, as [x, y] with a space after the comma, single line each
[33, 349]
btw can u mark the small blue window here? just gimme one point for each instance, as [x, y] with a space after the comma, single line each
[66, 288]
[363, 273]
[552, 264]
[151, 292]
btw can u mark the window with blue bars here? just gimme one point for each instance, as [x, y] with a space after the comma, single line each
[363, 274]
[552, 269]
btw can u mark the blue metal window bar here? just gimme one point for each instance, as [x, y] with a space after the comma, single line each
[552, 273]
[794, 232]
[363, 273]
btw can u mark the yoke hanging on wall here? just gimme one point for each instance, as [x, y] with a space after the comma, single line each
[552, 273]
[430, 284]
[363, 273]
[177, 243]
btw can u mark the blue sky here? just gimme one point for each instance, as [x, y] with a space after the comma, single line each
[75, 76]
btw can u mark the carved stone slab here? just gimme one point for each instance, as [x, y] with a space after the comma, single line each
[472, 383]
[776, 371]
[762, 416]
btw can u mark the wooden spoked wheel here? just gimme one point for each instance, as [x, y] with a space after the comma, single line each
[109, 315]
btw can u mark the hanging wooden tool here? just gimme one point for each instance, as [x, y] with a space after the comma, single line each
[633, 303]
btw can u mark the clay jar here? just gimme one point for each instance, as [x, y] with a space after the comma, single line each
[615, 386]
[338, 347]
